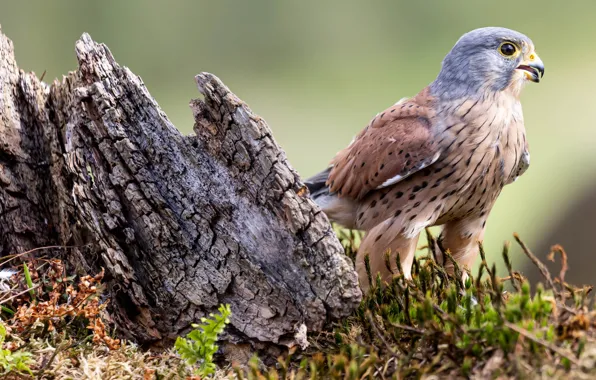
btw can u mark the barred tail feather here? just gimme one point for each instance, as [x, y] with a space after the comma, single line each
[340, 210]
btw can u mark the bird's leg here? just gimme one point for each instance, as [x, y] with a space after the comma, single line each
[461, 238]
[378, 241]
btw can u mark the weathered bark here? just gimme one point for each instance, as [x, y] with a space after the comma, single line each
[180, 223]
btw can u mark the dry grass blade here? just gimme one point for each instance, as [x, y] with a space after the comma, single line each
[551, 256]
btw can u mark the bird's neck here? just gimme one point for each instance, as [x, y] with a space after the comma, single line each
[457, 92]
[454, 83]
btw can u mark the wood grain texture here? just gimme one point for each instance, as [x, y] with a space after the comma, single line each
[180, 223]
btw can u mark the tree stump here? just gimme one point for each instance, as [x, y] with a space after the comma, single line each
[180, 223]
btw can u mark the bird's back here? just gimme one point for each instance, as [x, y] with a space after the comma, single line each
[480, 147]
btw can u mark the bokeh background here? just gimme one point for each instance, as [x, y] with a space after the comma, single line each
[318, 71]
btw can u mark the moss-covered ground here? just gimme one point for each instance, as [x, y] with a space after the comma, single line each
[434, 326]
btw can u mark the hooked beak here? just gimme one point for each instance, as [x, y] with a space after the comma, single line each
[533, 67]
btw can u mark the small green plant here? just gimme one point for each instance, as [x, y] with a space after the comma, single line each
[13, 361]
[29, 281]
[200, 344]
[437, 324]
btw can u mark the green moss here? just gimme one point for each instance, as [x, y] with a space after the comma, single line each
[439, 324]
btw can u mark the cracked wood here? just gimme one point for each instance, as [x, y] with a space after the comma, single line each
[180, 223]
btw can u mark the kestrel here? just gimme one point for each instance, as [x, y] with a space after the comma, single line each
[438, 158]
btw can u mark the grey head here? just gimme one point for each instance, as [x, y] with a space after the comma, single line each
[488, 59]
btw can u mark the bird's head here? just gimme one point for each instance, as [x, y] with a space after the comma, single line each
[488, 59]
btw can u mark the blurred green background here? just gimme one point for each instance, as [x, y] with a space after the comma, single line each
[318, 71]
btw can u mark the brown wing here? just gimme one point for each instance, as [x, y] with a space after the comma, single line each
[396, 143]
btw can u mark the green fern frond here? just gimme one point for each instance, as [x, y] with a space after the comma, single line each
[199, 346]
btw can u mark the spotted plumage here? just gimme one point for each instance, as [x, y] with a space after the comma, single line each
[438, 158]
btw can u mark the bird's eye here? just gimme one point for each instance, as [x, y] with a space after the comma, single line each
[507, 49]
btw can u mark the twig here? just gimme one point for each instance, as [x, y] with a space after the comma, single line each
[2, 302]
[50, 361]
[541, 267]
[379, 334]
[378, 373]
[566, 308]
[408, 328]
[386, 366]
[12, 257]
[59, 349]
[542, 342]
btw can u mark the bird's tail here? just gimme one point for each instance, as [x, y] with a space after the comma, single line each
[317, 184]
[340, 210]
